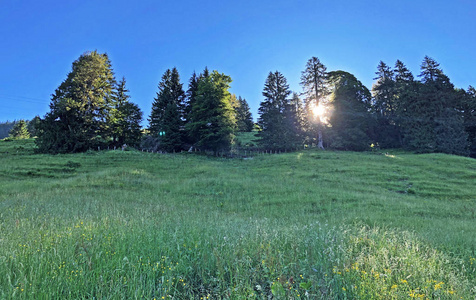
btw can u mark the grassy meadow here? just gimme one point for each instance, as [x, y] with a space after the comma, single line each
[304, 225]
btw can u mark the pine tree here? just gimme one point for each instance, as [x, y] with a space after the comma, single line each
[212, 120]
[20, 130]
[273, 119]
[314, 81]
[79, 108]
[350, 116]
[166, 116]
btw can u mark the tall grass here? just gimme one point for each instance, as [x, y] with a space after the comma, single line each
[310, 225]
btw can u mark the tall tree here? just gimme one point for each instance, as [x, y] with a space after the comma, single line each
[244, 119]
[386, 132]
[20, 130]
[274, 118]
[212, 120]
[125, 118]
[166, 116]
[79, 108]
[313, 81]
[384, 90]
[433, 123]
[350, 116]
[295, 122]
[468, 109]
[406, 93]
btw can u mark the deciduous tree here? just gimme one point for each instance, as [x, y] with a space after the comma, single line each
[350, 117]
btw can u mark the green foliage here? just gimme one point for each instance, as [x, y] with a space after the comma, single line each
[468, 107]
[20, 130]
[386, 128]
[432, 122]
[166, 115]
[314, 80]
[244, 119]
[350, 117]
[79, 108]
[278, 118]
[125, 118]
[212, 118]
[33, 125]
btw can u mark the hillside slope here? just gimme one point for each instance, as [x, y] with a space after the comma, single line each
[316, 224]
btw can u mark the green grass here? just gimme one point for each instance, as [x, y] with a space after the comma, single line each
[310, 224]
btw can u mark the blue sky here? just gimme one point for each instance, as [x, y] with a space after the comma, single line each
[243, 39]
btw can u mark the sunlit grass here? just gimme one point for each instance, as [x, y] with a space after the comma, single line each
[309, 224]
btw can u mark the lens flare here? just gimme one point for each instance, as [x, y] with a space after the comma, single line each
[319, 110]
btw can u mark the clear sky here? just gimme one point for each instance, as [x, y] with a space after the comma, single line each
[244, 39]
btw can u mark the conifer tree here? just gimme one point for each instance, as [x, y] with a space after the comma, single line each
[432, 121]
[273, 119]
[406, 92]
[313, 81]
[125, 118]
[244, 119]
[165, 121]
[19, 130]
[384, 91]
[79, 108]
[212, 120]
[469, 114]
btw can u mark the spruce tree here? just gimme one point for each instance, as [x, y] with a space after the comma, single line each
[212, 120]
[126, 118]
[468, 107]
[314, 81]
[273, 119]
[79, 108]
[406, 92]
[165, 121]
[433, 123]
[19, 130]
[244, 119]
[386, 132]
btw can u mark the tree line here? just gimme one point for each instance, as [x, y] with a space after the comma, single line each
[334, 110]
[19, 129]
[337, 111]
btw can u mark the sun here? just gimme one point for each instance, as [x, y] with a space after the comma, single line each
[319, 110]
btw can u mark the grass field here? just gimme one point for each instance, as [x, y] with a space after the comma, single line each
[309, 225]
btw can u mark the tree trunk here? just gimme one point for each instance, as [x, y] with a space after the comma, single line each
[320, 144]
